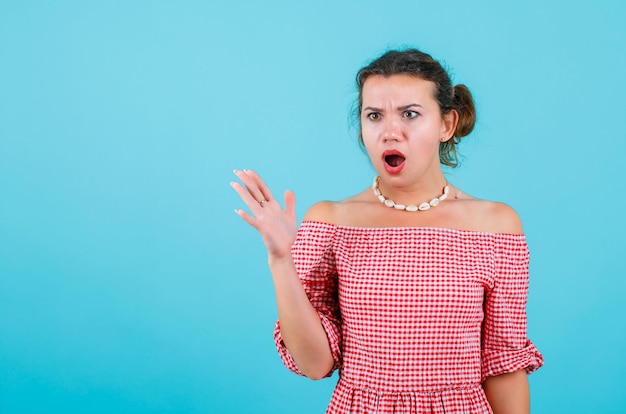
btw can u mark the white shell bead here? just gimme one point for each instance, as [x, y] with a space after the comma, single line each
[381, 198]
[399, 206]
[377, 192]
[446, 190]
[412, 207]
[443, 197]
[389, 203]
[434, 202]
[424, 206]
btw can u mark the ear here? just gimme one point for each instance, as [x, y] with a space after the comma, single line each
[448, 126]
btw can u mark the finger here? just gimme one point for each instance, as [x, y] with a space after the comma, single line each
[290, 204]
[265, 192]
[246, 197]
[250, 185]
[247, 218]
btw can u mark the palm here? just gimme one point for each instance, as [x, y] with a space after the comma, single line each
[277, 227]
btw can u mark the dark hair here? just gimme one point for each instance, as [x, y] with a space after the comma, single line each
[419, 64]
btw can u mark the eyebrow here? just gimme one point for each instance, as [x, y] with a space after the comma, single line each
[400, 108]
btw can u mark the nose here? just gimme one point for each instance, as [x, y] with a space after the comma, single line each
[391, 131]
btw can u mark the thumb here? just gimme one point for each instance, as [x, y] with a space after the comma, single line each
[290, 203]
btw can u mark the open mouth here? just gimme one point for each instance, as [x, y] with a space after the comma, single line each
[394, 160]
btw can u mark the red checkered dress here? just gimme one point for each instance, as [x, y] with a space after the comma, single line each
[416, 317]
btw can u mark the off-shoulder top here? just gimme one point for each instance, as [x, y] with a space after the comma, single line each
[416, 317]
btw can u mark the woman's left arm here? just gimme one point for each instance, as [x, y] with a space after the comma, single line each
[508, 356]
[508, 393]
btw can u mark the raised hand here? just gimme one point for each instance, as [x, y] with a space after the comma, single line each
[277, 227]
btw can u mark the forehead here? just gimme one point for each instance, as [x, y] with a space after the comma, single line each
[397, 87]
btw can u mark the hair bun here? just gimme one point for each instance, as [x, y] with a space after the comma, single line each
[464, 105]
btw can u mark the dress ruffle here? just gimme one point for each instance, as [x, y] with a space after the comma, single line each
[463, 400]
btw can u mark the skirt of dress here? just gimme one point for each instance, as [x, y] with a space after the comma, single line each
[350, 400]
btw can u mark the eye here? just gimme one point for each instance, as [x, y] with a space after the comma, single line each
[374, 116]
[409, 114]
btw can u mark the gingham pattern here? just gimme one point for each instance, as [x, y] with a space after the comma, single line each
[416, 317]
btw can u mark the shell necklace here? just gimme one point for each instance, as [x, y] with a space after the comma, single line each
[412, 207]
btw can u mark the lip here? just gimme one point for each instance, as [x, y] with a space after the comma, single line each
[390, 169]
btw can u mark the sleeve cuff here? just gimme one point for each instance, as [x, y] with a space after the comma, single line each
[502, 361]
[334, 340]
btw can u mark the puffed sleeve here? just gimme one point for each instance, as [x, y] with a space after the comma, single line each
[315, 263]
[505, 345]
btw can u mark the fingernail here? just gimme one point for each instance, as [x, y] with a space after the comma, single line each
[235, 171]
[232, 183]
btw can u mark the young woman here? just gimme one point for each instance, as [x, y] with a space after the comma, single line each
[413, 289]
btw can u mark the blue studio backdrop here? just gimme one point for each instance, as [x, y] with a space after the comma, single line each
[127, 283]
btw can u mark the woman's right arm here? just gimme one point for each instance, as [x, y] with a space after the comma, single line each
[300, 325]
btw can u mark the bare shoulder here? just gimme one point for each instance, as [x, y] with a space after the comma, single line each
[324, 211]
[498, 217]
[337, 212]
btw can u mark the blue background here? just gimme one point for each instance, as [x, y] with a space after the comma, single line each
[127, 283]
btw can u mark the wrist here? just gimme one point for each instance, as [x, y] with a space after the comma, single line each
[279, 260]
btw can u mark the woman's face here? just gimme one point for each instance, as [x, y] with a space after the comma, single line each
[402, 126]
